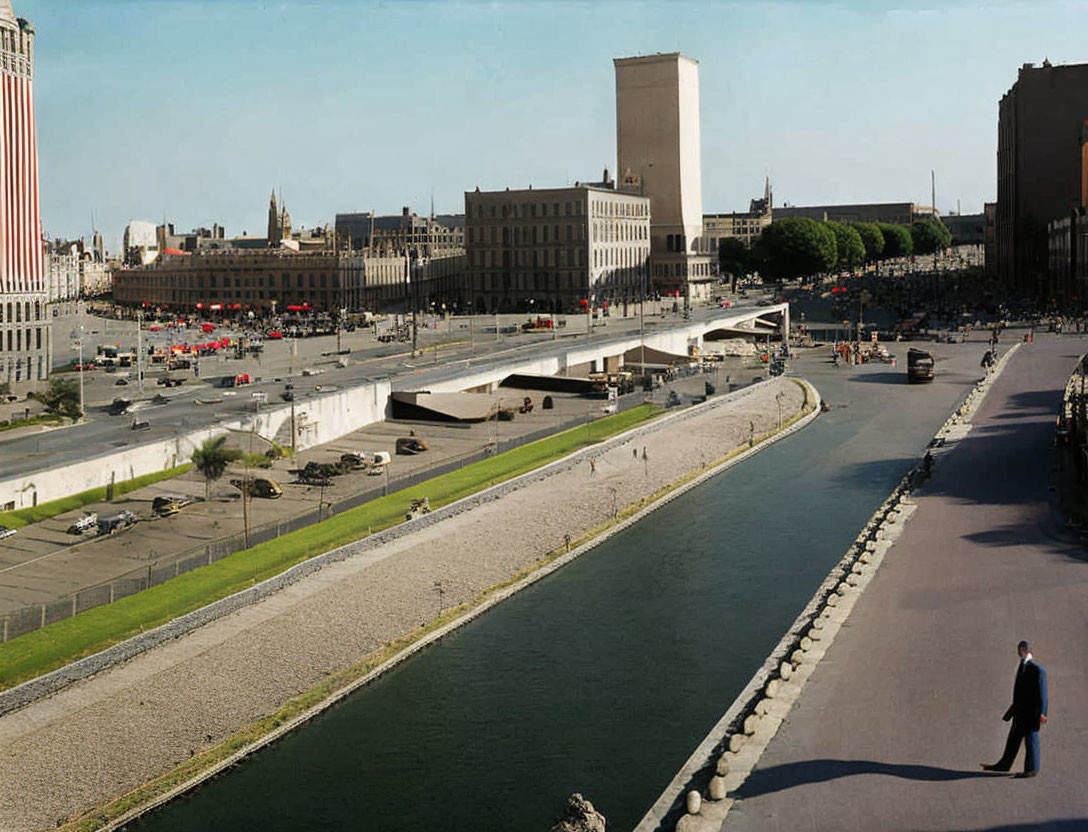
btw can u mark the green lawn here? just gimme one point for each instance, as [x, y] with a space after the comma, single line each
[65, 641]
[44, 419]
[43, 511]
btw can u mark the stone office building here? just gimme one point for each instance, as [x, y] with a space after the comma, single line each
[556, 249]
[260, 281]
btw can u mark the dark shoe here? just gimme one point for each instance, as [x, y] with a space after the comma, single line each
[1024, 775]
[993, 767]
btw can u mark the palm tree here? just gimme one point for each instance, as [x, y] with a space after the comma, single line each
[211, 459]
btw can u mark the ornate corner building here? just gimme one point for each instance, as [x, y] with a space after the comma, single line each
[25, 334]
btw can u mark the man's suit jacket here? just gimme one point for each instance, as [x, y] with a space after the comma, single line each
[1028, 696]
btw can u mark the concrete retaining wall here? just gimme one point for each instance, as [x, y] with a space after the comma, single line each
[321, 419]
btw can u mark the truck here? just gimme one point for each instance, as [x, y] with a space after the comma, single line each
[116, 522]
[919, 366]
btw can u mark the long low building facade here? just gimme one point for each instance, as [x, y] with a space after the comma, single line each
[271, 280]
[902, 213]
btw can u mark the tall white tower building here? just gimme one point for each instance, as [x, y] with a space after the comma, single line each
[25, 342]
[658, 147]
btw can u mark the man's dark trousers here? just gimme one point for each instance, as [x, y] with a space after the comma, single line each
[1029, 705]
[1021, 732]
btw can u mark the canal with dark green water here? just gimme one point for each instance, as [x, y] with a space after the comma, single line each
[603, 677]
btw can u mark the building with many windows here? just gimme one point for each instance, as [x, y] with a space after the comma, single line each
[556, 249]
[407, 231]
[746, 226]
[262, 281]
[25, 335]
[1040, 168]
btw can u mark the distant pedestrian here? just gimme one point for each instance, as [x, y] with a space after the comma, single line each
[1027, 712]
[593, 466]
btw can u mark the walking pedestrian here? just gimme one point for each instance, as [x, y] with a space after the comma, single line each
[592, 466]
[1027, 712]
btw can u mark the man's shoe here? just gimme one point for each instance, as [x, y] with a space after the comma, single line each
[1024, 775]
[993, 767]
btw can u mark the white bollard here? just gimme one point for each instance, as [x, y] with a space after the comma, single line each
[716, 790]
[695, 802]
[723, 765]
[806, 643]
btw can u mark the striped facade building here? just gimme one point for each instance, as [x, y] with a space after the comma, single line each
[25, 335]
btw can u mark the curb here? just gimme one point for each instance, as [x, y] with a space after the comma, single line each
[696, 800]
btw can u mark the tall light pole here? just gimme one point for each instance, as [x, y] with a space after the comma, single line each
[139, 349]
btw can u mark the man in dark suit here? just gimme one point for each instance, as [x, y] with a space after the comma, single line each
[1027, 712]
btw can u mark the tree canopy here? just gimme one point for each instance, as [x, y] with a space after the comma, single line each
[734, 257]
[61, 397]
[212, 458]
[848, 245]
[797, 247]
[897, 239]
[871, 238]
[930, 235]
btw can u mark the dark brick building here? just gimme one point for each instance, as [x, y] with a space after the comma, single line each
[1039, 131]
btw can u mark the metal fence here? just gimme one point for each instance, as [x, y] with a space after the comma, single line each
[27, 619]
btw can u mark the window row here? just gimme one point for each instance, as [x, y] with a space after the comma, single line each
[15, 342]
[18, 312]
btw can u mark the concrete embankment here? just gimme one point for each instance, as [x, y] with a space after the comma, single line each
[109, 734]
[699, 797]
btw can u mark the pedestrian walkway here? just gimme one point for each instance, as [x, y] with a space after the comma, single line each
[891, 728]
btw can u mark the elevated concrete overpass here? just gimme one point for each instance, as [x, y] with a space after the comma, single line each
[89, 459]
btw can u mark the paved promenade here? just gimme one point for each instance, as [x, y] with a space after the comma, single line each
[892, 726]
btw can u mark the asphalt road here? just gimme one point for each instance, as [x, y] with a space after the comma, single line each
[102, 434]
[891, 728]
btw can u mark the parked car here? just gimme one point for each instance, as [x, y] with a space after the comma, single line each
[410, 445]
[117, 522]
[168, 505]
[6, 532]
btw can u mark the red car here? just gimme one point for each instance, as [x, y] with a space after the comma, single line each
[274, 334]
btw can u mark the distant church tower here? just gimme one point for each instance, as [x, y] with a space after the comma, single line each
[275, 233]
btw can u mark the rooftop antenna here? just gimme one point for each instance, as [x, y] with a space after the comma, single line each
[933, 191]
[432, 205]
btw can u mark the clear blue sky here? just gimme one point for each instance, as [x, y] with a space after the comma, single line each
[198, 108]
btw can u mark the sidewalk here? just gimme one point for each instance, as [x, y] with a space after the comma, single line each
[892, 726]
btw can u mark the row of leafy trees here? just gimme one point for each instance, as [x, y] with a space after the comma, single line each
[798, 246]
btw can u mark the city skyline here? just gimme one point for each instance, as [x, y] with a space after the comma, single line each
[347, 108]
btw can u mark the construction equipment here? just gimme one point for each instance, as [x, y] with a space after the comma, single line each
[84, 524]
[262, 487]
[418, 509]
[410, 445]
[168, 505]
[116, 522]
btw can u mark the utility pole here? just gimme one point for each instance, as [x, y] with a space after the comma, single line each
[139, 349]
[79, 342]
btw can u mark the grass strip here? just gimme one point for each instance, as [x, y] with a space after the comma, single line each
[43, 511]
[47, 419]
[333, 683]
[65, 641]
